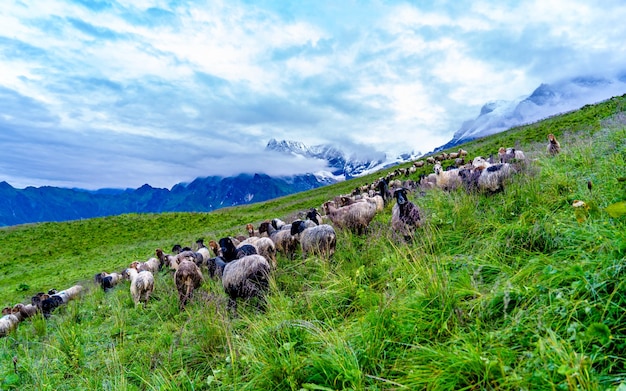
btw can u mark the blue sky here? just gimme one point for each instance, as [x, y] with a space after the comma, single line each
[107, 93]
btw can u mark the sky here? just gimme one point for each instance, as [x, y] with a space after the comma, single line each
[117, 93]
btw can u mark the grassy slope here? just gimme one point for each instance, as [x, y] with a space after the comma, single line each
[506, 291]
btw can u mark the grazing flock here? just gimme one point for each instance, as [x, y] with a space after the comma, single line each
[244, 264]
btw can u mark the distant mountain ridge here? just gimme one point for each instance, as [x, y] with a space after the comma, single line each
[46, 203]
[341, 164]
[545, 101]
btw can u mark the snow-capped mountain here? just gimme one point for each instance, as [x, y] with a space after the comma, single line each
[340, 164]
[547, 100]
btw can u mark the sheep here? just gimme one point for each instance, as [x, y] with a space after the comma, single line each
[554, 147]
[203, 250]
[480, 162]
[8, 323]
[405, 215]
[355, 217]
[493, 177]
[216, 266]
[38, 298]
[214, 247]
[50, 304]
[383, 189]
[250, 229]
[279, 224]
[246, 249]
[228, 250]
[430, 160]
[283, 240]
[510, 154]
[462, 152]
[419, 163]
[265, 247]
[107, 281]
[177, 249]
[25, 310]
[314, 216]
[56, 300]
[141, 284]
[246, 278]
[152, 265]
[447, 180]
[188, 277]
[320, 239]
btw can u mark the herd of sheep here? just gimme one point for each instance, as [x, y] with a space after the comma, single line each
[244, 263]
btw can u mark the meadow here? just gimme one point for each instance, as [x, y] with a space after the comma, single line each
[509, 291]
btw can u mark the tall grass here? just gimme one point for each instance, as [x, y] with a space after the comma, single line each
[508, 291]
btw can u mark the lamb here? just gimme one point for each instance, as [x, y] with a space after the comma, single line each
[405, 215]
[355, 217]
[188, 277]
[283, 240]
[446, 180]
[246, 278]
[554, 147]
[250, 229]
[320, 239]
[141, 284]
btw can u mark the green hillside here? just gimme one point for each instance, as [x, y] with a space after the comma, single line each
[509, 291]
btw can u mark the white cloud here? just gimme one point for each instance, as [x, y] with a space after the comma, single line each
[222, 78]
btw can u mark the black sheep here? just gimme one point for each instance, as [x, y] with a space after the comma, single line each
[405, 215]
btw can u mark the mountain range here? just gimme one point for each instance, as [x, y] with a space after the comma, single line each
[38, 204]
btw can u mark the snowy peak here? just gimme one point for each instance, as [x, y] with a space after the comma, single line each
[545, 101]
[340, 164]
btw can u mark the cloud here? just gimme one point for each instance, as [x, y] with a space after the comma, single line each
[175, 90]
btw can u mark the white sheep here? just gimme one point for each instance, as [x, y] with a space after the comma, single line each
[319, 239]
[493, 178]
[141, 284]
[265, 247]
[447, 180]
[283, 240]
[355, 217]
[8, 323]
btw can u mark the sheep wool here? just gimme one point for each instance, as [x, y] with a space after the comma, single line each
[188, 278]
[318, 240]
[246, 278]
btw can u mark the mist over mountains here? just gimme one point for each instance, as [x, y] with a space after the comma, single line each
[545, 101]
